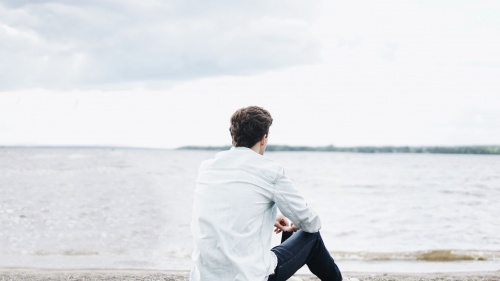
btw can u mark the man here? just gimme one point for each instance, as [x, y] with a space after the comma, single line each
[234, 211]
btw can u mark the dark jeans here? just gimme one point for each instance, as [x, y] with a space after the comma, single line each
[304, 248]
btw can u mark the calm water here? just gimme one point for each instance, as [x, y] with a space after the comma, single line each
[104, 208]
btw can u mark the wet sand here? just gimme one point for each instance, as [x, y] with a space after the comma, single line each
[151, 275]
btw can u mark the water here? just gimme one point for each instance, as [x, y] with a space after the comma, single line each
[124, 208]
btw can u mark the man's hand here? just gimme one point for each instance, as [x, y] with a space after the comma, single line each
[282, 224]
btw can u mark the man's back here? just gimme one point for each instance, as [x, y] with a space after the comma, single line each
[234, 212]
[233, 216]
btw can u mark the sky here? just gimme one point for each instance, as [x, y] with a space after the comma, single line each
[165, 74]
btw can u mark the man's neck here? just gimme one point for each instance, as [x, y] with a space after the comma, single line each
[257, 148]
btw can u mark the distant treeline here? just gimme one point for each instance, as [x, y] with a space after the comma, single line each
[371, 149]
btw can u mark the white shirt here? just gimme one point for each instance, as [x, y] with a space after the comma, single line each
[234, 212]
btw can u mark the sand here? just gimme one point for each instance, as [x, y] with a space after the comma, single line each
[150, 275]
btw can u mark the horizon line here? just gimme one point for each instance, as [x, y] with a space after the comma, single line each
[228, 146]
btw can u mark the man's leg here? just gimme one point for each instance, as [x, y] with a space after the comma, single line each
[300, 249]
[285, 235]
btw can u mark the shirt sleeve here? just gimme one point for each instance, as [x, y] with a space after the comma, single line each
[293, 205]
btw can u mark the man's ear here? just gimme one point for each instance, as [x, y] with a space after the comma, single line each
[263, 139]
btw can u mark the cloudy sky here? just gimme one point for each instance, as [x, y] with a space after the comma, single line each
[170, 73]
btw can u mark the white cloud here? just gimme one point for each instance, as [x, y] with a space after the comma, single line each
[60, 44]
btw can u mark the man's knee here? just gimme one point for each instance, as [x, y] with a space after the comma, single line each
[312, 235]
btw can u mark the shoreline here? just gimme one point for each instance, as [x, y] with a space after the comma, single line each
[34, 274]
[390, 149]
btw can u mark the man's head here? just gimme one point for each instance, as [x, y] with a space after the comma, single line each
[250, 125]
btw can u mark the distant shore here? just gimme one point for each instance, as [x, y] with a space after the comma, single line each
[371, 149]
[150, 275]
[471, 149]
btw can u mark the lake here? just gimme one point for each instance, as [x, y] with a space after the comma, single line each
[131, 208]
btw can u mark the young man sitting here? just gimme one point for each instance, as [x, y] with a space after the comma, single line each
[235, 208]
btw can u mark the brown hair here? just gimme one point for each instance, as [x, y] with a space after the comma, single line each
[249, 125]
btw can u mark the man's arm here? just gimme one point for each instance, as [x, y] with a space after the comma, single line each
[293, 205]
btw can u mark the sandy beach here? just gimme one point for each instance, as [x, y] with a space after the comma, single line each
[150, 275]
